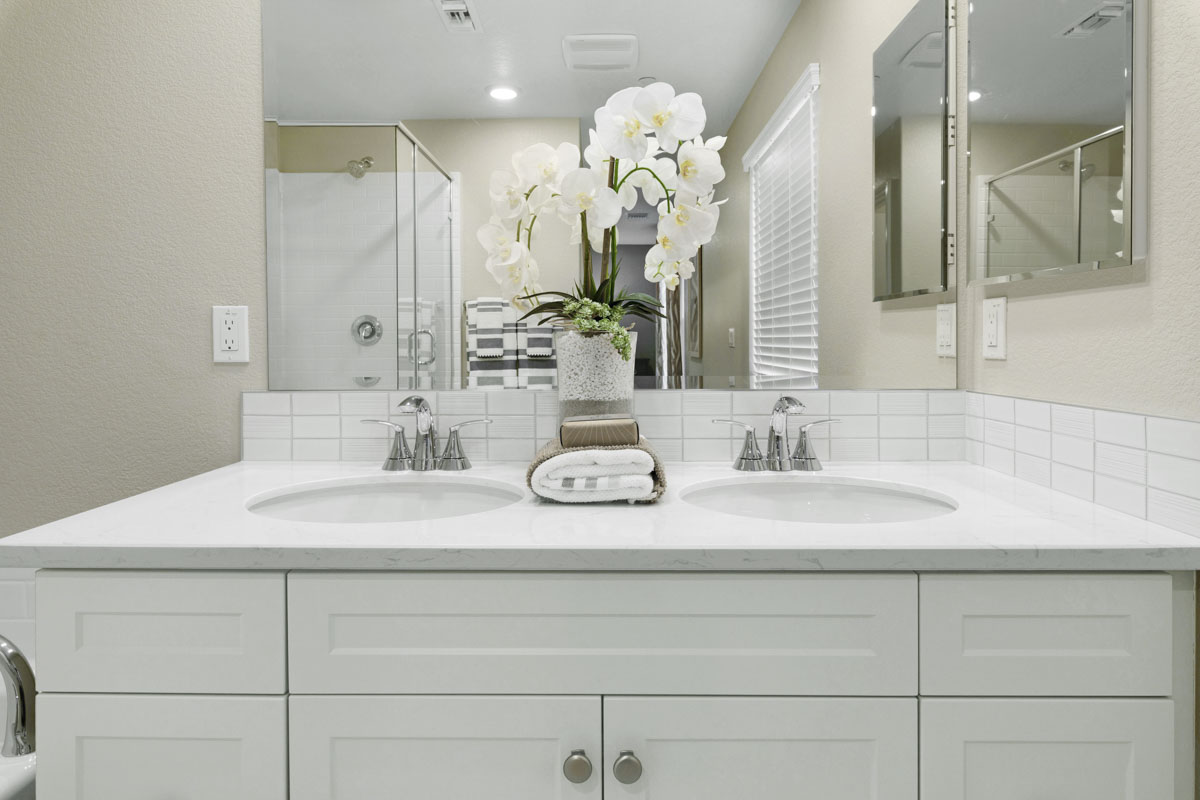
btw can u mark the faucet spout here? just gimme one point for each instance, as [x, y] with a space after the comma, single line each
[778, 457]
[20, 730]
[425, 455]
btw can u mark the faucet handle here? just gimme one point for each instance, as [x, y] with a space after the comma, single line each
[750, 459]
[453, 458]
[808, 425]
[804, 458]
[400, 459]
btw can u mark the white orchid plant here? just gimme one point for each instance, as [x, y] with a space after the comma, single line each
[647, 140]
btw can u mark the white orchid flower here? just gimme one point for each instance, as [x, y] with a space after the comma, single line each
[699, 168]
[495, 235]
[542, 200]
[541, 164]
[661, 269]
[674, 247]
[662, 173]
[618, 129]
[507, 193]
[692, 224]
[583, 191]
[671, 117]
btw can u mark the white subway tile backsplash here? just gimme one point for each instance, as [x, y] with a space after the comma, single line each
[705, 428]
[669, 450]
[1173, 436]
[1174, 474]
[661, 427]
[903, 403]
[855, 427]
[511, 450]
[757, 402]
[511, 402]
[998, 458]
[947, 450]
[1073, 421]
[947, 403]
[705, 403]
[1072, 481]
[974, 426]
[1073, 451]
[854, 450]
[974, 451]
[1000, 434]
[359, 428]
[316, 449]
[369, 404]
[502, 427]
[546, 428]
[546, 404]
[999, 408]
[1119, 495]
[1033, 441]
[815, 403]
[316, 428]
[256, 427]
[365, 449]
[848, 403]
[1032, 414]
[903, 450]
[470, 404]
[1126, 463]
[658, 403]
[1123, 429]
[1174, 511]
[707, 449]
[266, 449]
[266, 403]
[304, 403]
[1032, 469]
[903, 427]
[947, 426]
[974, 402]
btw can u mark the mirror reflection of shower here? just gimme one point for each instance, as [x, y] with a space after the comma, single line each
[1086, 171]
[359, 168]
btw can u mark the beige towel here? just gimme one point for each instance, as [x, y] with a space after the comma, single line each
[597, 474]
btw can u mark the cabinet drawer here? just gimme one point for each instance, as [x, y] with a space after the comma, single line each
[153, 748]
[554, 633]
[1024, 749]
[161, 632]
[1046, 635]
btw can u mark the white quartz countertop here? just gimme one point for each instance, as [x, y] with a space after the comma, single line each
[1000, 524]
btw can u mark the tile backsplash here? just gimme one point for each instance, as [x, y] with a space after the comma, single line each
[873, 426]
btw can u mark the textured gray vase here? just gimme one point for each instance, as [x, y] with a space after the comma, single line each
[593, 378]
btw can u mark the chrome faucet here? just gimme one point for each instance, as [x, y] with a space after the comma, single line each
[400, 459]
[778, 457]
[425, 456]
[804, 458]
[20, 730]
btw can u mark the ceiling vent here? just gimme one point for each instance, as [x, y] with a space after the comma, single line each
[928, 53]
[600, 51]
[1094, 20]
[457, 16]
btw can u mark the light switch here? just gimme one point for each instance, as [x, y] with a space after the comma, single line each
[947, 330]
[995, 328]
[732, 337]
[231, 334]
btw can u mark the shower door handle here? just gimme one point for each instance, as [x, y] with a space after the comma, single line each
[414, 348]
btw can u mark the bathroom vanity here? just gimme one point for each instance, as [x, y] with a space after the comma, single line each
[191, 648]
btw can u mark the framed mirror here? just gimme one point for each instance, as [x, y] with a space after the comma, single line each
[1052, 130]
[912, 183]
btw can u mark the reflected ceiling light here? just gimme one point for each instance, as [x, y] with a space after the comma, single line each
[872, 111]
[973, 96]
[503, 93]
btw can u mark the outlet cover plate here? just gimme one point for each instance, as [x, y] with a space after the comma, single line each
[995, 328]
[231, 334]
[947, 330]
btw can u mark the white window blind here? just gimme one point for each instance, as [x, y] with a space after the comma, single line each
[782, 164]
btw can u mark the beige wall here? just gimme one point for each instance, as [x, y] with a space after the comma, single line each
[328, 148]
[1128, 338]
[132, 202]
[863, 344]
[476, 148]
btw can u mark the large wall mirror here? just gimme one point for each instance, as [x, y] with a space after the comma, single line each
[911, 163]
[384, 122]
[1052, 130]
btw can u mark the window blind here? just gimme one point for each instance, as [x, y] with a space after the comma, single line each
[782, 164]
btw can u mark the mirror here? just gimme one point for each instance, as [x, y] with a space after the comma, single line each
[909, 116]
[385, 122]
[1051, 129]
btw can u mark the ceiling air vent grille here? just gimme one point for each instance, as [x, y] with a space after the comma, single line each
[928, 53]
[600, 51]
[1096, 18]
[457, 16]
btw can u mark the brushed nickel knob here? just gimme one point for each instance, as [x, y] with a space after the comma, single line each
[627, 768]
[578, 767]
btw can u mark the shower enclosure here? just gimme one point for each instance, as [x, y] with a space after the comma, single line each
[362, 260]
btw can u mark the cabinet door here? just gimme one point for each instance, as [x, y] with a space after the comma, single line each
[1038, 749]
[164, 746]
[442, 747]
[761, 748]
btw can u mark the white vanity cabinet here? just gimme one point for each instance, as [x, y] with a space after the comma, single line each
[664, 686]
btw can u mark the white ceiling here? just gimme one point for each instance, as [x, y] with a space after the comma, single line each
[389, 60]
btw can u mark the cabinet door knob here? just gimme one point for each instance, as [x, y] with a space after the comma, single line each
[578, 767]
[627, 768]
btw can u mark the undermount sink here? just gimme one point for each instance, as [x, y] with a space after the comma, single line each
[818, 498]
[404, 498]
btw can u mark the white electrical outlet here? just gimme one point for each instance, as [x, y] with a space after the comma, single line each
[947, 330]
[995, 328]
[231, 334]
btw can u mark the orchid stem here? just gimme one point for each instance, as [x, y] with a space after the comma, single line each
[666, 193]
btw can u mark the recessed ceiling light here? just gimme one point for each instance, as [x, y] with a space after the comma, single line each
[872, 111]
[973, 96]
[503, 93]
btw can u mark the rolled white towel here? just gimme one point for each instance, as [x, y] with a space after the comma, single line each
[596, 475]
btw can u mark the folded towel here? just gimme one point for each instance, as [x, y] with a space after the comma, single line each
[539, 341]
[597, 474]
[492, 332]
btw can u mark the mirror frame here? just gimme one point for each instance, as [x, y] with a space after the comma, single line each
[949, 163]
[1133, 182]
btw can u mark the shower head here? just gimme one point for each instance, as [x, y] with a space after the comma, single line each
[1086, 171]
[359, 168]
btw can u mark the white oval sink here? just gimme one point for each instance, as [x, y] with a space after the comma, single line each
[403, 498]
[817, 498]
